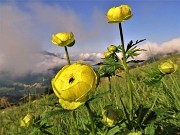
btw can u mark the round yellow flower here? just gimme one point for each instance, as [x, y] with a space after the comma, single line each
[119, 14]
[27, 120]
[73, 84]
[108, 54]
[112, 48]
[63, 39]
[111, 116]
[168, 67]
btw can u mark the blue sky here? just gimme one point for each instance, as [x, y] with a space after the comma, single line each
[26, 27]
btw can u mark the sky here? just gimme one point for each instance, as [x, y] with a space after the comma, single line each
[26, 27]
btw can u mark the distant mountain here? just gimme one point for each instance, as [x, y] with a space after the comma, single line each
[14, 88]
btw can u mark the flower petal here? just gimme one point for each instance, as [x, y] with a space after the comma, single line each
[71, 105]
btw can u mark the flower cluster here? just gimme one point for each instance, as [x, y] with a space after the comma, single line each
[111, 50]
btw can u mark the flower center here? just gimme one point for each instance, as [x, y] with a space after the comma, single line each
[71, 80]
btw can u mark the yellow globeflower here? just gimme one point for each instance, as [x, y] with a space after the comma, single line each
[119, 14]
[168, 67]
[63, 39]
[27, 120]
[73, 84]
[111, 116]
[108, 54]
[112, 48]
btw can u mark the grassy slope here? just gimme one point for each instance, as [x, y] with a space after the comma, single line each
[9, 117]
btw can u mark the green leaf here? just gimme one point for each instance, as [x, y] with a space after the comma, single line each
[98, 96]
[135, 61]
[133, 52]
[53, 112]
[113, 130]
[35, 131]
[130, 44]
[153, 78]
[150, 129]
[109, 66]
[46, 132]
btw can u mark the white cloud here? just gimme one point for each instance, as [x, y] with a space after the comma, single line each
[91, 55]
[51, 61]
[163, 48]
[19, 46]
[25, 32]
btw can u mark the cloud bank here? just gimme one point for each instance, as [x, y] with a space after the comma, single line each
[153, 49]
[19, 48]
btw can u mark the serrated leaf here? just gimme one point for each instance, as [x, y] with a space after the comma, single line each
[133, 52]
[109, 66]
[119, 48]
[130, 44]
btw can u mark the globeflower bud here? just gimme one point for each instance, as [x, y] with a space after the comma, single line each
[73, 84]
[112, 48]
[119, 14]
[27, 120]
[168, 67]
[108, 54]
[111, 116]
[63, 39]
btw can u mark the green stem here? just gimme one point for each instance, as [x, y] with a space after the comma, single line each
[175, 82]
[75, 122]
[175, 90]
[67, 55]
[125, 111]
[91, 118]
[109, 86]
[150, 110]
[129, 85]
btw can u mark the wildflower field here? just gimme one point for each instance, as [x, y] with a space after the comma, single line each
[113, 99]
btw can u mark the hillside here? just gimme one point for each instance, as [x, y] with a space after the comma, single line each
[10, 116]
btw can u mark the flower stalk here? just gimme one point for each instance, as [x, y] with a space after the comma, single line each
[124, 63]
[67, 55]
[109, 85]
[91, 118]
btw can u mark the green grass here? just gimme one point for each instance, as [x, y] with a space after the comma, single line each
[63, 123]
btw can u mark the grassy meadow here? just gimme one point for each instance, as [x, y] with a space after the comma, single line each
[168, 120]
